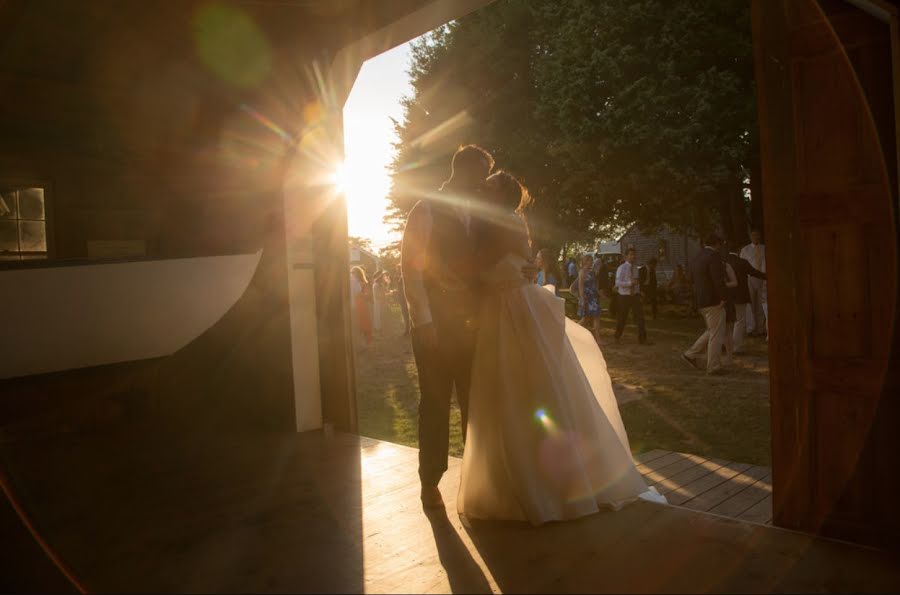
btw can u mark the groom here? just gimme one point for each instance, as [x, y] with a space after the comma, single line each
[441, 282]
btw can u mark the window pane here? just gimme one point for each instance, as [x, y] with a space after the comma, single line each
[33, 235]
[9, 239]
[31, 203]
[8, 207]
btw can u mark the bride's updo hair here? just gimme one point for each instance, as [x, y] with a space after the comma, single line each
[508, 192]
[509, 195]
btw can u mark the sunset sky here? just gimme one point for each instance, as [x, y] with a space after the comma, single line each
[368, 138]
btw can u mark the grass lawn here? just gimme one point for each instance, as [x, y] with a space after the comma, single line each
[669, 405]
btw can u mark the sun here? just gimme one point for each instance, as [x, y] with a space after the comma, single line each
[363, 183]
[340, 177]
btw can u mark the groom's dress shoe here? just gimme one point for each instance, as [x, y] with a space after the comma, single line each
[431, 498]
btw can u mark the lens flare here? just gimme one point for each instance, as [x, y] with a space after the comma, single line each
[266, 122]
[545, 420]
[231, 44]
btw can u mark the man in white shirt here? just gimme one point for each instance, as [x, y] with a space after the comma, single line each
[628, 287]
[755, 254]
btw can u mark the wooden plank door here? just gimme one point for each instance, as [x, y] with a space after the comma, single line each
[828, 134]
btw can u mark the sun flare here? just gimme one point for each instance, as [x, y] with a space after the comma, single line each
[340, 178]
[364, 184]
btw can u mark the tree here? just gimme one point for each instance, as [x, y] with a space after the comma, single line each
[612, 113]
[654, 105]
[473, 83]
[390, 257]
[364, 243]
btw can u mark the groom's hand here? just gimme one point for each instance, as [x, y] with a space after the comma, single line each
[427, 335]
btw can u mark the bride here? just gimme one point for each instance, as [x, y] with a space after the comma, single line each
[545, 440]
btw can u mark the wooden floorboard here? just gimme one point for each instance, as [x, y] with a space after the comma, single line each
[736, 490]
[660, 463]
[761, 512]
[690, 475]
[310, 513]
[685, 463]
[691, 490]
[650, 455]
[714, 497]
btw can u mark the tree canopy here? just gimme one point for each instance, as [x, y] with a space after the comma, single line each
[612, 113]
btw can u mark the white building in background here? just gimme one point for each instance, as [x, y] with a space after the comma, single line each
[362, 257]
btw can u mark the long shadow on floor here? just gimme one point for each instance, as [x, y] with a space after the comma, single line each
[463, 573]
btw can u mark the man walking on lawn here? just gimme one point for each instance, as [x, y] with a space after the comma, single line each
[709, 289]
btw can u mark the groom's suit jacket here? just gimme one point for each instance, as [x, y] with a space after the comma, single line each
[439, 265]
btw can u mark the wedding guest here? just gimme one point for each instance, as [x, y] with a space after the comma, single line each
[731, 283]
[571, 270]
[400, 296]
[650, 285]
[755, 254]
[679, 286]
[611, 285]
[628, 287]
[359, 292]
[603, 276]
[548, 272]
[709, 293]
[740, 294]
[597, 267]
[379, 300]
[589, 297]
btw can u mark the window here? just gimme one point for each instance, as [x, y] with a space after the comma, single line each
[23, 222]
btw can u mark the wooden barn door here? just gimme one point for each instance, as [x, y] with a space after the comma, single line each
[826, 75]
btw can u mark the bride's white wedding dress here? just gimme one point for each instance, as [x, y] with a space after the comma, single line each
[545, 439]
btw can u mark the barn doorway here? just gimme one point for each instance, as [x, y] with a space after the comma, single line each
[830, 23]
[697, 435]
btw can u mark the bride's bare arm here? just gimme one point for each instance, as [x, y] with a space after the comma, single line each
[517, 241]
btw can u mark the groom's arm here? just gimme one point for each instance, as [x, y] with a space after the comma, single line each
[416, 236]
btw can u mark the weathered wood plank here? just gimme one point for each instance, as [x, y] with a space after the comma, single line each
[721, 475]
[689, 476]
[650, 455]
[746, 498]
[761, 512]
[663, 461]
[715, 496]
[686, 463]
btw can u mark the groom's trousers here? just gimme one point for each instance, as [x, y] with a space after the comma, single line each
[441, 369]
